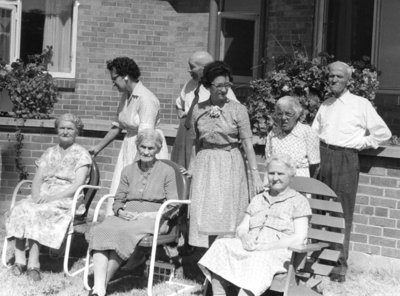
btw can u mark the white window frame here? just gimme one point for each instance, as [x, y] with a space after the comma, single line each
[220, 44]
[16, 7]
[15, 27]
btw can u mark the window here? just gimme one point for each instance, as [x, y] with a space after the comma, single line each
[237, 39]
[29, 26]
[238, 45]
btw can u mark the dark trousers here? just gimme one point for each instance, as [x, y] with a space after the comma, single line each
[340, 170]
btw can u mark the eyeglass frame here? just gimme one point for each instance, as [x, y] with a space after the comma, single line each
[223, 85]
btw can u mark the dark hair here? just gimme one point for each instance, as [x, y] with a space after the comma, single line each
[214, 70]
[124, 66]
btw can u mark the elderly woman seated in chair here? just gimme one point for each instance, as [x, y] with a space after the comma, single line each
[144, 185]
[274, 220]
[45, 215]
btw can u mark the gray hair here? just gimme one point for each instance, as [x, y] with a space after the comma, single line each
[343, 65]
[286, 160]
[293, 102]
[71, 118]
[152, 135]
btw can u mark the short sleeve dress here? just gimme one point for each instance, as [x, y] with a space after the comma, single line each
[138, 192]
[219, 189]
[271, 219]
[48, 222]
[139, 111]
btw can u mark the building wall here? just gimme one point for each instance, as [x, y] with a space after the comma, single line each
[288, 23]
[159, 38]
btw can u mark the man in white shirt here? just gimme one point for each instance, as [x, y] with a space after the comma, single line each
[345, 124]
[191, 94]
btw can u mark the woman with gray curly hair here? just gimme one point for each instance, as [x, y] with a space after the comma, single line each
[274, 220]
[292, 137]
[45, 215]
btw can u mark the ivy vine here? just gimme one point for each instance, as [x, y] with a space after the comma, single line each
[33, 92]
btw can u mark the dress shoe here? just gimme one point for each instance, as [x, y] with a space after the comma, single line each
[339, 278]
[18, 269]
[34, 274]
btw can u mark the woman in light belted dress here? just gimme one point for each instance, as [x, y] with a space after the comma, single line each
[138, 109]
[220, 182]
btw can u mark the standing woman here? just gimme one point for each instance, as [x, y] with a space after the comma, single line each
[138, 109]
[220, 184]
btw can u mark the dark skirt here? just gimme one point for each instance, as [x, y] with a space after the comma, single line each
[182, 149]
[121, 236]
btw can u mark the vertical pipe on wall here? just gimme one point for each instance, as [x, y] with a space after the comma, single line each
[212, 28]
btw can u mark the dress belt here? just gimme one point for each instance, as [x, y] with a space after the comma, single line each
[226, 147]
[338, 148]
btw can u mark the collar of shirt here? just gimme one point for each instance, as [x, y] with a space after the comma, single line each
[296, 131]
[136, 91]
[280, 197]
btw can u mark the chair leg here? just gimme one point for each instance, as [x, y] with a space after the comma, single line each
[86, 271]
[4, 253]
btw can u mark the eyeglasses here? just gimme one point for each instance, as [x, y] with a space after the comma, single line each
[223, 85]
[287, 115]
[113, 78]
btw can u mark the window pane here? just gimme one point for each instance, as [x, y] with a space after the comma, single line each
[47, 23]
[5, 34]
[349, 34]
[239, 45]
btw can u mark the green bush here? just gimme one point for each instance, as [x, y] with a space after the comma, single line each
[308, 80]
[30, 87]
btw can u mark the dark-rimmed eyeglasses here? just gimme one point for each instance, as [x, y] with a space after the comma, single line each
[222, 85]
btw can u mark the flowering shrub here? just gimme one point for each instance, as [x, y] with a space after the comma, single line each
[308, 80]
[30, 87]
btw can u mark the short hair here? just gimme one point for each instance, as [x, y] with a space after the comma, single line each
[150, 134]
[345, 66]
[124, 66]
[286, 160]
[71, 118]
[214, 70]
[292, 101]
[201, 58]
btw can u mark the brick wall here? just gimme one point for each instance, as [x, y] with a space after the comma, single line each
[376, 228]
[158, 37]
[288, 22]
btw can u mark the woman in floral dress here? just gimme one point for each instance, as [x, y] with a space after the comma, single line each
[274, 220]
[138, 109]
[220, 184]
[291, 137]
[44, 216]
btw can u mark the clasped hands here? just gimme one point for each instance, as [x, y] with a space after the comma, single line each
[129, 216]
[250, 243]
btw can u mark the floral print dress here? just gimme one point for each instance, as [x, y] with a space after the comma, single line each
[47, 223]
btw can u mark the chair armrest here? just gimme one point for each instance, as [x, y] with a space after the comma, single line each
[77, 195]
[16, 189]
[308, 248]
[155, 237]
[99, 204]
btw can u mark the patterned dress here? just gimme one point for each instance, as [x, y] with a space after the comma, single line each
[271, 219]
[139, 111]
[47, 223]
[302, 144]
[219, 189]
[138, 192]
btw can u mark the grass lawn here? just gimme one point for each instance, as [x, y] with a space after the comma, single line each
[359, 283]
